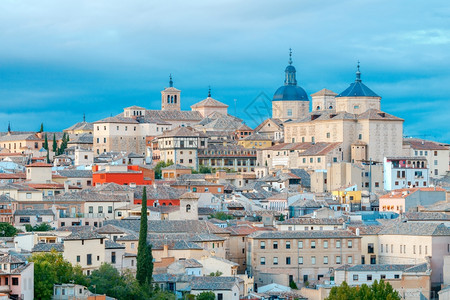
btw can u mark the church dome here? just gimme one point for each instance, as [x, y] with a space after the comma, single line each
[358, 89]
[290, 91]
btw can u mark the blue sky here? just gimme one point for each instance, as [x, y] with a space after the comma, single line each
[60, 59]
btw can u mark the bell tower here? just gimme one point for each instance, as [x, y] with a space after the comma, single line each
[170, 97]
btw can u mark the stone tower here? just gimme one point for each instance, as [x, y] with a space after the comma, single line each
[170, 97]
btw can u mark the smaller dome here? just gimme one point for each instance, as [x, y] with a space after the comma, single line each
[290, 68]
[290, 93]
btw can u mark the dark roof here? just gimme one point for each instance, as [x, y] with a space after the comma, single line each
[313, 221]
[46, 247]
[113, 245]
[358, 89]
[76, 173]
[176, 167]
[159, 192]
[290, 93]
[413, 228]
[34, 212]
[212, 283]
[84, 235]
[385, 268]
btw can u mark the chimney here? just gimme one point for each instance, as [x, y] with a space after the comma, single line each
[165, 250]
[66, 186]
[357, 231]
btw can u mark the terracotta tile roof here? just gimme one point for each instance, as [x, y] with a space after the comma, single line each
[419, 144]
[20, 175]
[324, 92]
[40, 164]
[320, 149]
[303, 234]
[403, 193]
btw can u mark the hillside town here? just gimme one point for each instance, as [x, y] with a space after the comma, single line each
[326, 190]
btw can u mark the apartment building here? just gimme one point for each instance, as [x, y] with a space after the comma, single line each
[405, 172]
[300, 256]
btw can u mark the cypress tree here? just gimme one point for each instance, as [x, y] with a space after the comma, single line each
[42, 128]
[143, 259]
[48, 158]
[149, 266]
[55, 145]
[46, 143]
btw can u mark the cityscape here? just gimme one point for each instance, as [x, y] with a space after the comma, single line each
[233, 181]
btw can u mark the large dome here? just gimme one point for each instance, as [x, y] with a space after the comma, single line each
[290, 93]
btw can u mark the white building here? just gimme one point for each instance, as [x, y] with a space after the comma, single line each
[405, 172]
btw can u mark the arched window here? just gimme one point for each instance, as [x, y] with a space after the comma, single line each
[175, 99]
[171, 99]
[188, 208]
[318, 108]
[168, 99]
[331, 107]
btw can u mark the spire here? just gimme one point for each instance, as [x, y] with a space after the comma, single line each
[290, 72]
[358, 73]
[170, 81]
[9, 126]
[84, 117]
[209, 91]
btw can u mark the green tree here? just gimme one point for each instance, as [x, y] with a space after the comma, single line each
[206, 296]
[45, 142]
[41, 129]
[159, 166]
[51, 268]
[48, 157]
[281, 218]
[204, 169]
[55, 145]
[41, 227]
[216, 274]
[378, 290]
[144, 258]
[7, 229]
[292, 285]
[220, 215]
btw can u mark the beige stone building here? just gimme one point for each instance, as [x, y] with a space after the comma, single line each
[85, 248]
[356, 119]
[209, 106]
[181, 146]
[300, 256]
[290, 101]
[437, 155]
[414, 243]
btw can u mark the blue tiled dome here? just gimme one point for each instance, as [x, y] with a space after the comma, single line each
[290, 93]
[357, 88]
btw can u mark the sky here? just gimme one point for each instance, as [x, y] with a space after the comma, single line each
[62, 59]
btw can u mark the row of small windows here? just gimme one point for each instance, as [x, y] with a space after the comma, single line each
[312, 244]
[313, 260]
[402, 249]
[319, 108]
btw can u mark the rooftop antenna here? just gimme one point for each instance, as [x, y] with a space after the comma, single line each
[290, 56]
[170, 81]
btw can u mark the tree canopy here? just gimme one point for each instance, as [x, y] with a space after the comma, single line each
[159, 166]
[144, 270]
[206, 296]
[39, 227]
[378, 290]
[51, 268]
[7, 229]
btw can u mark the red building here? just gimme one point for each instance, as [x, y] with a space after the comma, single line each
[123, 175]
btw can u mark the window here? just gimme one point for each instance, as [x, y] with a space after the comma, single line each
[288, 245]
[300, 260]
[328, 135]
[325, 244]
[369, 277]
[313, 244]
[355, 277]
[338, 260]
[263, 260]
[15, 281]
[396, 276]
[275, 245]
[100, 209]
[360, 136]
[288, 260]
[370, 248]
[381, 247]
[382, 276]
[349, 244]
[325, 260]
[110, 210]
[338, 244]
[78, 258]
[91, 209]
[435, 153]
[89, 259]
[289, 112]
[262, 245]
[275, 260]
[313, 260]
[188, 208]
[350, 259]
[300, 244]
[28, 195]
[435, 162]
[414, 249]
